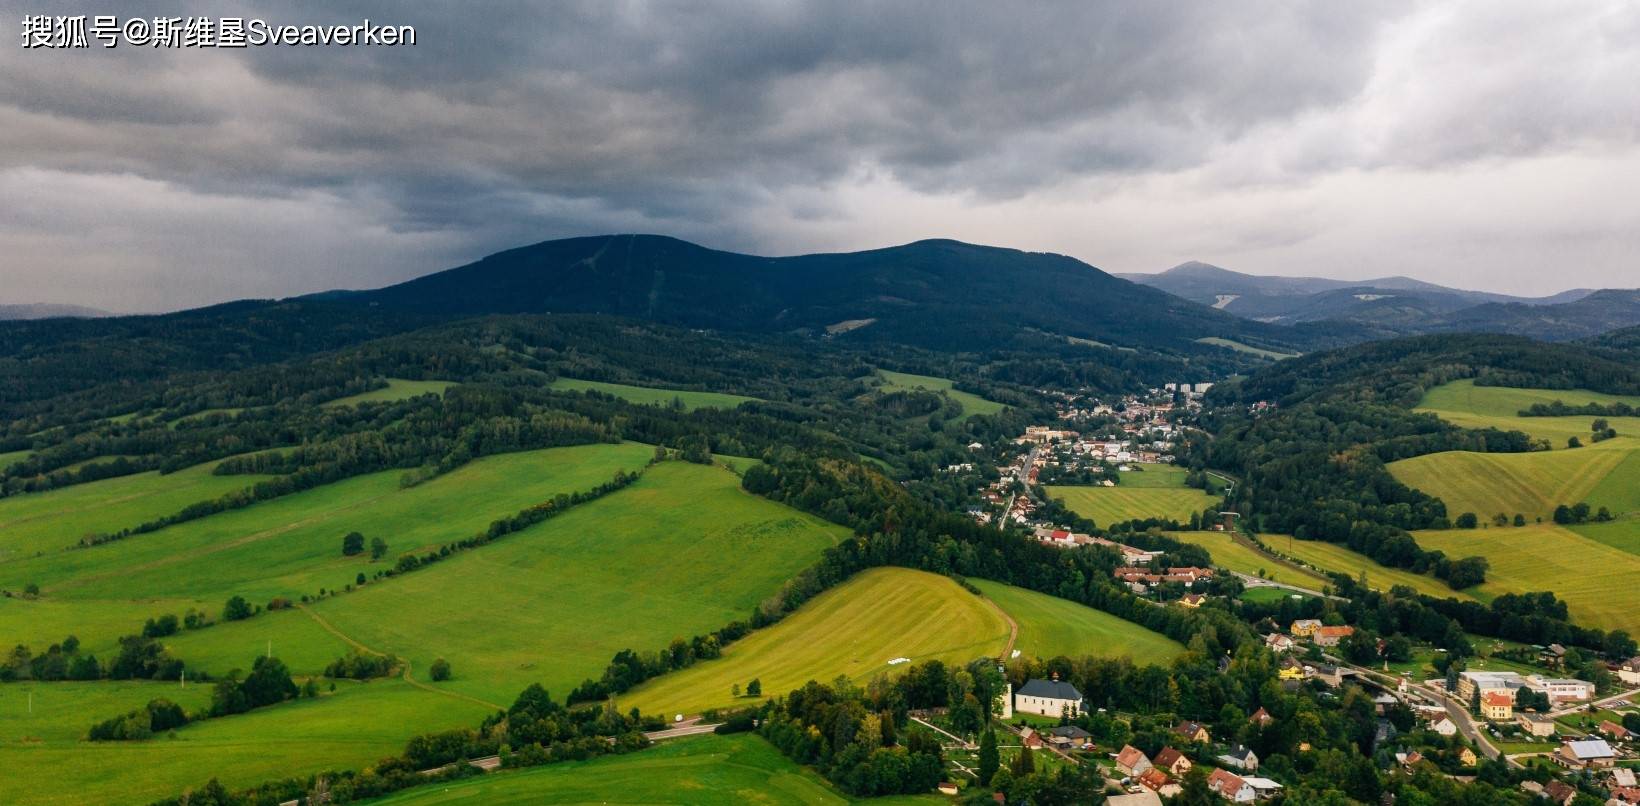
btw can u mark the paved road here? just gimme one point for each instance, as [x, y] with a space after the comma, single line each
[1260, 582]
[1455, 709]
[688, 727]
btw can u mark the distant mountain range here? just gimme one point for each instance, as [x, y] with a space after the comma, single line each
[41, 310]
[1390, 306]
[939, 293]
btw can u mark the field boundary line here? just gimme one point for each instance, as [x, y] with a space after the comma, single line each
[407, 676]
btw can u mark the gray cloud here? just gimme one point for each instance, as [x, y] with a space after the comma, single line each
[1263, 136]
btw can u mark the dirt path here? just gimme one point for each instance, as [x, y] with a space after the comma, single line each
[1013, 627]
[408, 676]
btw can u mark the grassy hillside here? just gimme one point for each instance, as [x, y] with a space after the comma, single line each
[11, 457]
[1606, 474]
[706, 770]
[1595, 579]
[1243, 559]
[1124, 502]
[574, 589]
[50, 521]
[396, 389]
[853, 630]
[1464, 403]
[971, 403]
[1050, 626]
[645, 395]
[1245, 348]
[1338, 559]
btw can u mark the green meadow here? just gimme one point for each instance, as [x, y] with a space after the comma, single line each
[1593, 578]
[396, 389]
[971, 403]
[699, 771]
[1532, 484]
[1245, 348]
[8, 458]
[48, 522]
[1134, 501]
[1243, 559]
[1340, 559]
[651, 396]
[1050, 626]
[852, 630]
[1463, 403]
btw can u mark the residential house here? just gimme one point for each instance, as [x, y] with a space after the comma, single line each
[1066, 736]
[1623, 776]
[1157, 781]
[1409, 760]
[1585, 754]
[1383, 702]
[1263, 788]
[948, 788]
[1331, 675]
[1443, 725]
[1331, 636]
[1497, 706]
[1280, 642]
[1231, 787]
[1466, 757]
[1132, 761]
[1175, 762]
[1261, 718]
[1290, 669]
[1192, 732]
[1048, 698]
[1305, 627]
[1030, 738]
[1625, 794]
[1614, 730]
[1560, 793]
[1536, 725]
[1629, 671]
[1240, 757]
[1192, 600]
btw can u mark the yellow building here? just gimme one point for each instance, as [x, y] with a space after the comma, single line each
[1497, 706]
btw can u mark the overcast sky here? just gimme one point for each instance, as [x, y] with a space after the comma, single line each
[1486, 144]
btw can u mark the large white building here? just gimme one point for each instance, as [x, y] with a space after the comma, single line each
[1048, 698]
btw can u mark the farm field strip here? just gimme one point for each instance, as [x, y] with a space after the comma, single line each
[1532, 484]
[653, 396]
[396, 389]
[1243, 559]
[1107, 505]
[971, 403]
[1340, 559]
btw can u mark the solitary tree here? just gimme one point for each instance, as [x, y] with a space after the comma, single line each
[754, 688]
[1467, 521]
[440, 670]
[352, 543]
[236, 608]
[378, 547]
[734, 690]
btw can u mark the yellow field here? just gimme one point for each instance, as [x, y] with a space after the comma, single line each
[1533, 484]
[1596, 580]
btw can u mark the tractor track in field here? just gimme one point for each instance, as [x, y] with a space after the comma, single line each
[407, 675]
[1013, 627]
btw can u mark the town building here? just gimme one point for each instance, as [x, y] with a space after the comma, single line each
[1585, 754]
[1536, 725]
[1175, 762]
[1242, 758]
[1497, 706]
[1305, 627]
[1561, 689]
[1132, 761]
[1331, 636]
[1231, 787]
[1263, 788]
[1048, 698]
[1471, 684]
[1158, 781]
[1192, 732]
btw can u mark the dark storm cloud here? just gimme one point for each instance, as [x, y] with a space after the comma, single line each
[771, 125]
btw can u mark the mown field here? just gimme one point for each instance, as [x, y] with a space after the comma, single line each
[1532, 484]
[706, 770]
[1243, 559]
[1339, 559]
[1245, 348]
[48, 522]
[971, 403]
[396, 389]
[1464, 403]
[1125, 502]
[1595, 579]
[649, 396]
[852, 630]
[1050, 626]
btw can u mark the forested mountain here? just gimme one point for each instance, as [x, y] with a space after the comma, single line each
[42, 310]
[1394, 306]
[938, 293]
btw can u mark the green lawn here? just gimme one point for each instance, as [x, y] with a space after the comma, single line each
[1267, 595]
[1243, 559]
[1464, 403]
[971, 403]
[1532, 484]
[1246, 348]
[650, 396]
[358, 725]
[853, 630]
[1125, 502]
[396, 389]
[47, 522]
[1148, 474]
[1050, 626]
[1594, 579]
[705, 770]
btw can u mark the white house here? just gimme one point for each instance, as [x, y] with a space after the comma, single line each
[1048, 698]
[1231, 787]
[1443, 725]
[1263, 788]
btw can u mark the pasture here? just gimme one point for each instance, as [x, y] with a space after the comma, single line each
[1243, 559]
[703, 770]
[396, 389]
[1340, 559]
[1126, 502]
[1595, 580]
[852, 630]
[1463, 403]
[651, 396]
[1249, 349]
[48, 522]
[1532, 484]
[971, 403]
[1050, 626]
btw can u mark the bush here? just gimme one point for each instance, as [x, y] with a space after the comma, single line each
[440, 670]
